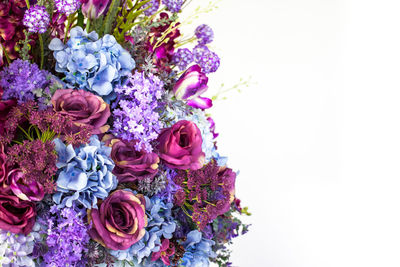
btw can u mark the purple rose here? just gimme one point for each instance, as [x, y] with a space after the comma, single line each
[180, 146]
[132, 165]
[85, 109]
[16, 215]
[120, 221]
[32, 191]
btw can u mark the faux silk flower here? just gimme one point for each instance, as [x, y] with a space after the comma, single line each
[16, 215]
[84, 108]
[120, 221]
[180, 146]
[132, 165]
[190, 86]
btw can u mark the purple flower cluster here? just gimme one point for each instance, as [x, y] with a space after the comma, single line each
[67, 238]
[182, 58]
[207, 59]
[67, 7]
[136, 116]
[152, 7]
[173, 5]
[204, 34]
[208, 192]
[36, 19]
[21, 80]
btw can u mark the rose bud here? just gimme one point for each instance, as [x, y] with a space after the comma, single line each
[16, 215]
[132, 165]
[120, 221]
[32, 191]
[180, 146]
[92, 9]
[84, 108]
[191, 85]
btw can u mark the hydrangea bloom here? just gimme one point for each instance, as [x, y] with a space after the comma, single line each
[182, 58]
[85, 173]
[37, 19]
[67, 238]
[90, 63]
[198, 250]
[161, 225]
[16, 249]
[67, 7]
[135, 114]
[173, 5]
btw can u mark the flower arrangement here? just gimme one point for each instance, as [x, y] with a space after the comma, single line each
[108, 156]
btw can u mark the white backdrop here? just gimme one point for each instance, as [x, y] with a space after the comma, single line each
[317, 139]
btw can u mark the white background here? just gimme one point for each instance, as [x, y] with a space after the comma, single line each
[317, 139]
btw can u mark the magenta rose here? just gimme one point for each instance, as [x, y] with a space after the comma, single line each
[16, 215]
[84, 108]
[180, 146]
[120, 221]
[132, 165]
[32, 191]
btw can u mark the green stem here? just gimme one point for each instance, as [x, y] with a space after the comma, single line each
[186, 42]
[27, 4]
[41, 51]
[27, 135]
[6, 54]
[87, 25]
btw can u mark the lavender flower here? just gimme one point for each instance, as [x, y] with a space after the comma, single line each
[204, 34]
[37, 19]
[173, 5]
[67, 238]
[182, 58]
[67, 7]
[153, 6]
[135, 114]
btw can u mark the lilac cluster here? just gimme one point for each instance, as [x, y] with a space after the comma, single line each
[21, 80]
[67, 7]
[37, 19]
[67, 238]
[182, 58]
[152, 7]
[135, 115]
[204, 34]
[173, 5]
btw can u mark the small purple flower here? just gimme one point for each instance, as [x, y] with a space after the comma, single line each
[199, 51]
[173, 5]
[67, 7]
[182, 58]
[153, 5]
[209, 62]
[36, 19]
[204, 34]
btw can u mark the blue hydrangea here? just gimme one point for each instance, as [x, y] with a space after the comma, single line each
[93, 64]
[198, 250]
[84, 173]
[161, 224]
